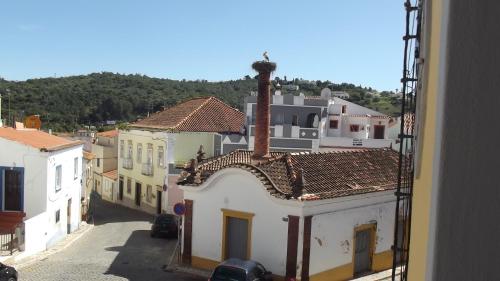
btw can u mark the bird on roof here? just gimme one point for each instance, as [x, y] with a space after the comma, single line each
[266, 57]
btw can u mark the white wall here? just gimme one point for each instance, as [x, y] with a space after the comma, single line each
[70, 189]
[347, 142]
[239, 190]
[332, 233]
[40, 199]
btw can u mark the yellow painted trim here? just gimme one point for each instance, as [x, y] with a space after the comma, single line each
[226, 213]
[382, 261]
[203, 263]
[421, 202]
[373, 233]
[341, 273]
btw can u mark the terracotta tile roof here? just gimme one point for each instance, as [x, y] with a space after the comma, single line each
[37, 139]
[314, 176]
[207, 114]
[113, 174]
[108, 134]
[88, 155]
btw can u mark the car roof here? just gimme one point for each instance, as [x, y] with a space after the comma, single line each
[246, 265]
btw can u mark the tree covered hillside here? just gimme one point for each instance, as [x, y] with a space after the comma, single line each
[67, 103]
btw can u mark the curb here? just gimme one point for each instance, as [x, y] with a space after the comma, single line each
[47, 253]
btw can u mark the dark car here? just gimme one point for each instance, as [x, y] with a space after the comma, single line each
[7, 273]
[240, 270]
[164, 225]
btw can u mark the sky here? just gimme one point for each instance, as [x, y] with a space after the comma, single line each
[355, 41]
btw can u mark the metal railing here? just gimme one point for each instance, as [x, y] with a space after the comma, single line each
[127, 163]
[147, 169]
[9, 242]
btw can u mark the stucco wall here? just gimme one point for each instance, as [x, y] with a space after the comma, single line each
[332, 234]
[239, 190]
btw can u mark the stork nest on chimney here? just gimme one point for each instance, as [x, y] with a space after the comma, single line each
[264, 66]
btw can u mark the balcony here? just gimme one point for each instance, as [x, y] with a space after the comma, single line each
[147, 169]
[127, 163]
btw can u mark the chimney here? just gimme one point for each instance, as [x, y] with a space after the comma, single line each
[261, 140]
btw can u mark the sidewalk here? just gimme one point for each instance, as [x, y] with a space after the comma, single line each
[173, 264]
[22, 260]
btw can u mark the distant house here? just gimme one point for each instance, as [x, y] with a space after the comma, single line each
[105, 149]
[40, 176]
[313, 216]
[319, 123]
[153, 150]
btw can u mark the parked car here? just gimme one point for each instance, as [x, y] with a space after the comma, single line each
[240, 270]
[164, 225]
[7, 273]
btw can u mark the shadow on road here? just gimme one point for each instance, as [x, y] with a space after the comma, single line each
[106, 212]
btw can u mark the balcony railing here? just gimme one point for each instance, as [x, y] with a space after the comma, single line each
[127, 163]
[147, 169]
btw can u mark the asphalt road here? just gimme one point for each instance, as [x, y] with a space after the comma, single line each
[117, 248]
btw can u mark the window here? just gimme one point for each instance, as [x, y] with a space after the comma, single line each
[279, 119]
[129, 186]
[75, 176]
[160, 156]
[58, 177]
[295, 120]
[58, 215]
[334, 124]
[354, 128]
[149, 193]
[130, 153]
[150, 154]
[122, 144]
[344, 109]
[139, 152]
[98, 162]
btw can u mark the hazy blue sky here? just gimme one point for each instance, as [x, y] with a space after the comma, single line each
[356, 41]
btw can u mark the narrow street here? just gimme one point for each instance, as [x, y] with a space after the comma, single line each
[119, 247]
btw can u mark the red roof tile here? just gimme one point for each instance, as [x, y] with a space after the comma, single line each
[113, 174]
[313, 176]
[37, 139]
[207, 114]
[109, 134]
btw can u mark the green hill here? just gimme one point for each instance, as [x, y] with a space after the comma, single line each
[66, 103]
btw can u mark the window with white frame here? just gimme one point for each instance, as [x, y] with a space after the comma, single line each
[122, 145]
[161, 155]
[58, 177]
[75, 171]
[58, 216]
[139, 152]
[150, 154]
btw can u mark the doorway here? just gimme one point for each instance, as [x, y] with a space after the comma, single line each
[138, 193]
[68, 213]
[236, 238]
[363, 249]
[158, 202]
[13, 190]
[120, 189]
[378, 131]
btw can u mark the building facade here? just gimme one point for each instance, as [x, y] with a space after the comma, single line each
[41, 176]
[105, 149]
[153, 151]
[318, 123]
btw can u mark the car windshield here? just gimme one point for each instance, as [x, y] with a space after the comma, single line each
[224, 273]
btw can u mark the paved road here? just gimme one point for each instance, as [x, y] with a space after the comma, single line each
[117, 248]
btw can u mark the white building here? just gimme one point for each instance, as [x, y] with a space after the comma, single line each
[40, 175]
[313, 216]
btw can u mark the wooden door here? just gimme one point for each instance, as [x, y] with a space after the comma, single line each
[158, 202]
[13, 193]
[363, 251]
[68, 212]
[378, 131]
[138, 193]
[236, 238]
